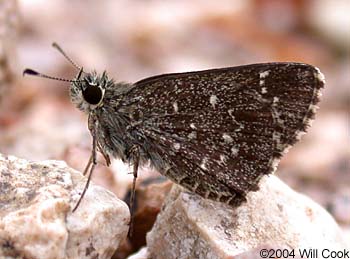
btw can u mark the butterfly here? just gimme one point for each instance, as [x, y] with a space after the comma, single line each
[215, 132]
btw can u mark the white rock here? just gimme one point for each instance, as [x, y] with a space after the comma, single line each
[141, 254]
[36, 199]
[275, 216]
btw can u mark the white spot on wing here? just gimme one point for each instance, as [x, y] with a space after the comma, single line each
[227, 138]
[313, 108]
[234, 151]
[213, 100]
[192, 126]
[241, 126]
[320, 76]
[263, 90]
[230, 112]
[203, 164]
[176, 107]
[264, 74]
[223, 159]
[274, 163]
[192, 135]
[177, 146]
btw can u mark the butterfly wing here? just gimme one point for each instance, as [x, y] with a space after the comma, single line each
[217, 132]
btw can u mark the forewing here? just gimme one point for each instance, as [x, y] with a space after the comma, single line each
[216, 132]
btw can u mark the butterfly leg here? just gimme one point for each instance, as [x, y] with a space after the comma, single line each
[104, 154]
[92, 161]
[106, 157]
[134, 154]
[88, 165]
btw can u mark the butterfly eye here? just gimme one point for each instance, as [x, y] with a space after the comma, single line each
[93, 94]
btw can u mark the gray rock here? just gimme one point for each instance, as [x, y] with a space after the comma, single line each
[275, 216]
[36, 199]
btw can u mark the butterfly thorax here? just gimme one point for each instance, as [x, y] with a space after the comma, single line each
[117, 123]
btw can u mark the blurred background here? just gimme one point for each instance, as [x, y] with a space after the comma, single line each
[135, 39]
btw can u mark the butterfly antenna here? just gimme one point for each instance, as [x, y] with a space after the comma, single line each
[32, 72]
[56, 46]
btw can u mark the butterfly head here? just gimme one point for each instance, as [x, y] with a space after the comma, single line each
[88, 89]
